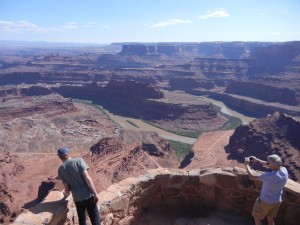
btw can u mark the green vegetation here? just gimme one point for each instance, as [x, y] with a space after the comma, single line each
[232, 123]
[90, 103]
[132, 123]
[190, 134]
[181, 149]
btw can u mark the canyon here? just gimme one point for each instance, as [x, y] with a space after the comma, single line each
[58, 96]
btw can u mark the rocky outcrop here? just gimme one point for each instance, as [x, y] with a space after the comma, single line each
[112, 159]
[5, 91]
[10, 166]
[264, 92]
[136, 49]
[22, 106]
[52, 210]
[277, 134]
[120, 91]
[129, 89]
[190, 118]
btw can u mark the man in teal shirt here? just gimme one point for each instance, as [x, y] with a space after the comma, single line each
[74, 175]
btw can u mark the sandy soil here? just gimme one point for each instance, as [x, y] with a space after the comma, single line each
[209, 151]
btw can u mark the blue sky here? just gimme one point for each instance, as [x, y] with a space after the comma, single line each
[99, 21]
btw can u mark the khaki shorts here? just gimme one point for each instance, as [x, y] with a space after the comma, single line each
[262, 209]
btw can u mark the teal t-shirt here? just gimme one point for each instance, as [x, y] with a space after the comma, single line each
[71, 172]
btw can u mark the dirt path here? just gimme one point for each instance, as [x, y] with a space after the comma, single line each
[154, 161]
[209, 150]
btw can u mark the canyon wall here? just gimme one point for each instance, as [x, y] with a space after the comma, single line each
[215, 68]
[275, 134]
[231, 50]
[264, 92]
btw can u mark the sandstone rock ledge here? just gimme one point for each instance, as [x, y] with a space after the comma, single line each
[187, 194]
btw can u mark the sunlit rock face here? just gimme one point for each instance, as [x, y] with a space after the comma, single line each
[274, 134]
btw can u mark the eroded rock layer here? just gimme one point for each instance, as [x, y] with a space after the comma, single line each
[112, 159]
[275, 134]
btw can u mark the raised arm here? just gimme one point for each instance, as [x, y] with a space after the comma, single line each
[254, 159]
[252, 174]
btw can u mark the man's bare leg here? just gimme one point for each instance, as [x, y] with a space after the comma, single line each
[258, 221]
[270, 221]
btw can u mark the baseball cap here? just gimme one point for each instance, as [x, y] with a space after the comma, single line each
[62, 151]
[274, 160]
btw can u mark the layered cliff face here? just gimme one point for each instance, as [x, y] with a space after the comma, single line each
[264, 92]
[10, 166]
[112, 159]
[131, 89]
[215, 68]
[40, 123]
[48, 105]
[274, 59]
[187, 84]
[231, 50]
[276, 134]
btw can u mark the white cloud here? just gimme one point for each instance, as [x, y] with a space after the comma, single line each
[170, 22]
[105, 26]
[70, 26]
[25, 26]
[215, 14]
[92, 24]
[18, 26]
[6, 25]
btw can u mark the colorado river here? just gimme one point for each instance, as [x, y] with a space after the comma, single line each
[136, 124]
[224, 109]
[142, 126]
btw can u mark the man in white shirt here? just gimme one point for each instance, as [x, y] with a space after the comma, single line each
[268, 203]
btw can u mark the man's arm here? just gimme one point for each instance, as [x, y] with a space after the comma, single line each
[90, 183]
[262, 162]
[67, 189]
[252, 174]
